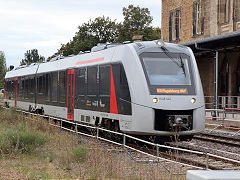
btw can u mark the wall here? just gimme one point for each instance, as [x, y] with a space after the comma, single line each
[213, 25]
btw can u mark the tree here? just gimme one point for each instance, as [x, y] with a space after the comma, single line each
[99, 30]
[102, 30]
[3, 68]
[32, 56]
[137, 22]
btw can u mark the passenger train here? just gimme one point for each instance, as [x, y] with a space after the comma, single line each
[148, 88]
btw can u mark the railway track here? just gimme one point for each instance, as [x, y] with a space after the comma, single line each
[183, 153]
[232, 141]
[203, 157]
[219, 151]
[165, 154]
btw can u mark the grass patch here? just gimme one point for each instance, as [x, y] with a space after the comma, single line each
[24, 140]
[31, 149]
[9, 116]
[80, 153]
[18, 135]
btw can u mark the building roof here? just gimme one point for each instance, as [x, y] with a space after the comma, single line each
[219, 42]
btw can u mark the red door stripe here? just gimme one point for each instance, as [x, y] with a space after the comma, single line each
[67, 94]
[70, 93]
[113, 100]
[73, 96]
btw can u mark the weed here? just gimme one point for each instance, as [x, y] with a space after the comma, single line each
[8, 115]
[24, 140]
[80, 153]
[49, 156]
[63, 156]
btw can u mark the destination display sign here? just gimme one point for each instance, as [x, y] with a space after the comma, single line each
[172, 91]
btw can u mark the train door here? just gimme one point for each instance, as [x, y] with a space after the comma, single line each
[70, 93]
[15, 91]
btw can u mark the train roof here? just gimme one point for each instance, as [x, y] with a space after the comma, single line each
[98, 55]
[28, 70]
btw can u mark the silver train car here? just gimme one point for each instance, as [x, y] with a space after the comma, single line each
[146, 88]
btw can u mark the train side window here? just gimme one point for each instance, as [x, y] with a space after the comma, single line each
[43, 84]
[33, 83]
[104, 80]
[54, 87]
[123, 78]
[62, 87]
[20, 88]
[23, 88]
[29, 86]
[47, 88]
[40, 84]
[80, 82]
[12, 88]
[9, 88]
[26, 89]
[92, 88]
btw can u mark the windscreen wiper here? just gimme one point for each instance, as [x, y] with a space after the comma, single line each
[181, 65]
[166, 53]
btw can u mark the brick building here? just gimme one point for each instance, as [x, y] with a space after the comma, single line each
[212, 29]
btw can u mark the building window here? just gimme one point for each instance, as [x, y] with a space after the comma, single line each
[175, 25]
[197, 21]
[236, 10]
[225, 10]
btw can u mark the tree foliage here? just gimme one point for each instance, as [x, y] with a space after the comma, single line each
[137, 21]
[32, 56]
[3, 68]
[99, 30]
[102, 30]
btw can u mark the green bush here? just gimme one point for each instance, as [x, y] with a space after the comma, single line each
[9, 115]
[80, 153]
[21, 140]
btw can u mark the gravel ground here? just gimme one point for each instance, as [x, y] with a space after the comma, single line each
[214, 148]
[223, 132]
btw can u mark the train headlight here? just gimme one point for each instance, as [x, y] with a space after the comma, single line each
[160, 43]
[155, 100]
[193, 100]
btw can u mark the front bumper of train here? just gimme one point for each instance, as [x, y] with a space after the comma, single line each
[160, 125]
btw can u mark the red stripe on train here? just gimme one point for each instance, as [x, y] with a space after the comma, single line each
[90, 61]
[113, 100]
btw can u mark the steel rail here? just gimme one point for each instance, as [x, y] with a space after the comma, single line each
[113, 142]
[134, 138]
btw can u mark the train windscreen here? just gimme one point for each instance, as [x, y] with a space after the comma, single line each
[167, 71]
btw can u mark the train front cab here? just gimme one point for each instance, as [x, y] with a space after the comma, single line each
[173, 99]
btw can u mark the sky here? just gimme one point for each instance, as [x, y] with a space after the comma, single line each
[46, 24]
